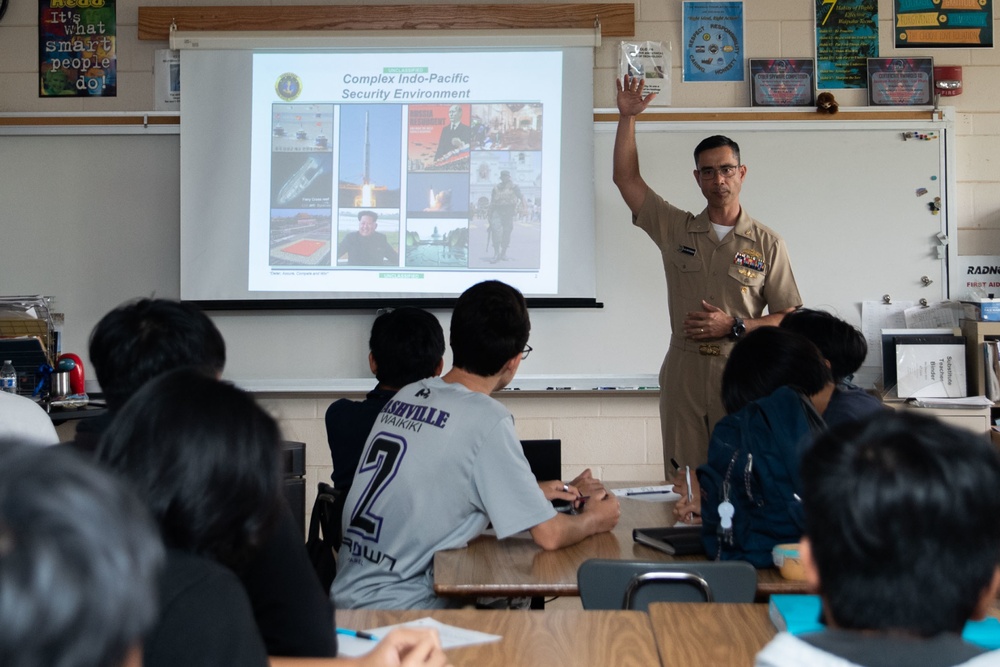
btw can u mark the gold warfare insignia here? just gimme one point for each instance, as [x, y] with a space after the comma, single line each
[750, 261]
[288, 86]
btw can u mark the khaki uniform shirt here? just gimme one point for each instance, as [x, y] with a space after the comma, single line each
[743, 273]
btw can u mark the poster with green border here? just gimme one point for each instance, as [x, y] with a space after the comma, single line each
[846, 36]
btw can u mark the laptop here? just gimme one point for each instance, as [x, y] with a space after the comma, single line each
[544, 458]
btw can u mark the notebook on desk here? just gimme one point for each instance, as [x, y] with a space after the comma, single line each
[675, 540]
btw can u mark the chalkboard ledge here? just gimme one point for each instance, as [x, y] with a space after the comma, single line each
[630, 384]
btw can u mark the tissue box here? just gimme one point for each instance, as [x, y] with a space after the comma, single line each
[984, 310]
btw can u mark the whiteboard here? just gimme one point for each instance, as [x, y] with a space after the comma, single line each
[92, 220]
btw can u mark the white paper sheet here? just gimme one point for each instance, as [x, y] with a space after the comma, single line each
[451, 637]
[649, 494]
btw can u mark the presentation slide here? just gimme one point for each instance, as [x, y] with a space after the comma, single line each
[405, 172]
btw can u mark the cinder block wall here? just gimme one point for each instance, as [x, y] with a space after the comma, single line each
[618, 436]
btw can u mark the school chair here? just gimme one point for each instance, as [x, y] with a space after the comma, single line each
[326, 531]
[627, 584]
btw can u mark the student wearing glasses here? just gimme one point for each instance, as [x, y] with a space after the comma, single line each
[723, 268]
[443, 460]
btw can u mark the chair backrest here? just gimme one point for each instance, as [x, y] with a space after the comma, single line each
[627, 584]
[326, 531]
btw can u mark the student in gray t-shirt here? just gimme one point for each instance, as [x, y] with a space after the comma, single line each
[443, 460]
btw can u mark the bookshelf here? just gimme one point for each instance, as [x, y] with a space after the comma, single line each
[976, 333]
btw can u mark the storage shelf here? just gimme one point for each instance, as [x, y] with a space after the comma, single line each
[976, 333]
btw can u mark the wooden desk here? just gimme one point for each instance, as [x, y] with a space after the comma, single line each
[554, 637]
[516, 567]
[710, 634]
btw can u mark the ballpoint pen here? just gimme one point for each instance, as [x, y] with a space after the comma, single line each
[687, 475]
[357, 633]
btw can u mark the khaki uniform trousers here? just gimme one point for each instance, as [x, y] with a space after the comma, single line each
[690, 399]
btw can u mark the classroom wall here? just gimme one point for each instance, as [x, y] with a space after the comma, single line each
[618, 435]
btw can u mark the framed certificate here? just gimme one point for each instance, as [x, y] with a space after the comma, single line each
[782, 82]
[900, 81]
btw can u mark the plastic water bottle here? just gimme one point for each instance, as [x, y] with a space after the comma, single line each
[8, 377]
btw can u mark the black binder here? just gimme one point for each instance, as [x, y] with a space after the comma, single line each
[675, 540]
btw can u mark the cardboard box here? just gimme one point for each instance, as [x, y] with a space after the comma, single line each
[984, 310]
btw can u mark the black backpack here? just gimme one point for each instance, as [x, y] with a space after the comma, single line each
[753, 462]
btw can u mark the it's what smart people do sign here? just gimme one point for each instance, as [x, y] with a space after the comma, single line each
[76, 48]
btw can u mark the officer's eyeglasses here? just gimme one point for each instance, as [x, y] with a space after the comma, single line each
[526, 352]
[727, 171]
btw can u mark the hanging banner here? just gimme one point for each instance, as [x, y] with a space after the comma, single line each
[76, 48]
[846, 36]
[713, 41]
[943, 23]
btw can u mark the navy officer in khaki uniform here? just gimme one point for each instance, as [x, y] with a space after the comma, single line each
[722, 269]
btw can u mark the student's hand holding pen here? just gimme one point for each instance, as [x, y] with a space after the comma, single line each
[401, 647]
[556, 489]
[603, 507]
[688, 508]
[587, 483]
[407, 647]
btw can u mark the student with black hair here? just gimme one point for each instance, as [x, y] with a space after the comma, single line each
[79, 561]
[443, 460]
[767, 360]
[406, 345]
[137, 341]
[772, 357]
[204, 457]
[142, 339]
[902, 543]
[845, 348]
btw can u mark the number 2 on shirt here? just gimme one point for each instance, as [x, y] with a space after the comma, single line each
[384, 455]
